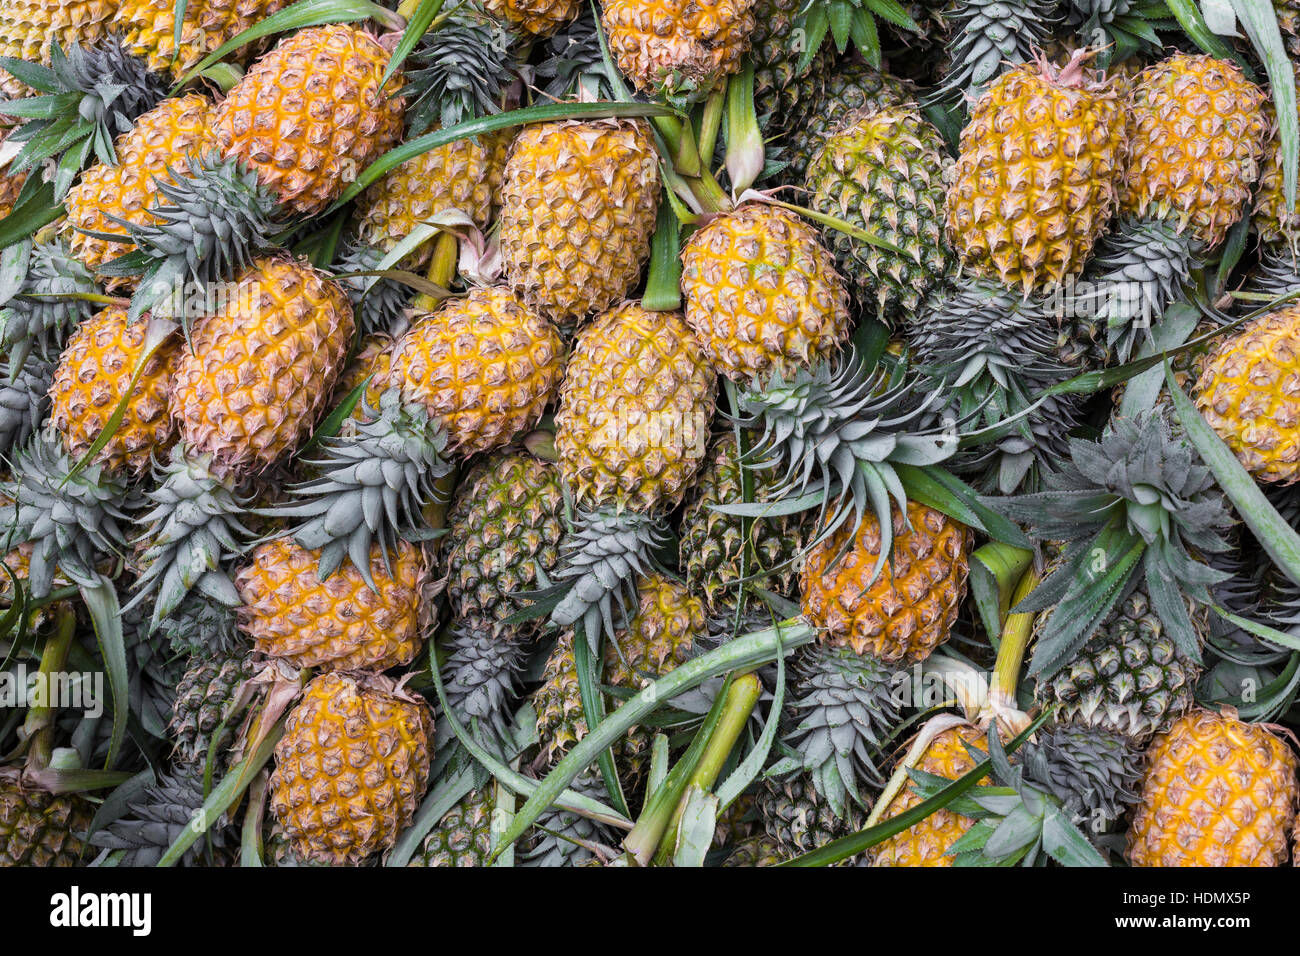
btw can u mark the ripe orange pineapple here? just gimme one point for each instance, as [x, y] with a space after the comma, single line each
[678, 45]
[484, 365]
[1277, 225]
[464, 175]
[635, 408]
[374, 360]
[1217, 792]
[29, 27]
[1196, 135]
[577, 213]
[94, 374]
[927, 843]
[537, 17]
[1038, 174]
[339, 624]
[262, 367]
[1249, 392]
[311, 114]
[908, 610]
[148, 29]
[762, 293]
[351, 768]
[159, 144]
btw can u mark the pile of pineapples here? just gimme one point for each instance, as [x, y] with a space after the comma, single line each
[727, 433]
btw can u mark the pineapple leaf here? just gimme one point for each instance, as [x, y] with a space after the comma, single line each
[1065, 843]
[1188, 15]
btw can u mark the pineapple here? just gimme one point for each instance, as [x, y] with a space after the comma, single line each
[1037, 178]
[148, 28]
[290, 324]
[1245, 391]
[665, 625]
[535, 17]
[578, 209]
[1130, 677]
[465, 175]
[1216, 792]
[373, 362]
[1278, 227]
[776, 51]
[797, 819]
[821, 101]
[351, 767]
[204, 696]
[713, 549]
[503, 537]
[759, 850]
[28, 28]
[906, 610]
[1196, 135]
[152, 151]
[762, 294]
[678, 46]
[312, 114]
[157, 817]
[635, 407]
[882, 171]
[349, 622]
[38, 828]
[463, 837]
[485, 366]
[42, 311]
[927, 843]
[96, 372]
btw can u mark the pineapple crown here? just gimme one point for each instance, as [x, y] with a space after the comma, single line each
[157, 817]
[563, 838]
[72, 517]
[839, 429]
[987, 35]
[373, 484]
[1137, 271]
[459, 72]
[1133, 506]
[152, 673]
[601, 559]
[91, 95]
[1018, 820]
[378, 304]
[1093, 771]
[575, 64]
[24, 400]
[42, 307]
[847, 705]
[1276, 275]
[209, 223]
[480, 676]
[200, 625]
[194, 530]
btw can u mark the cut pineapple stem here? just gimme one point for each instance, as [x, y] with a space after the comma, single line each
[442, 269]
[1016, 634]
[741, 698]
[39, 725]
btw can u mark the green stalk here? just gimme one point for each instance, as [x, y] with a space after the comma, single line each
[593, 712]
[663, 286]
[711, 122]
[741, 654]
[1016, 635]
[741, 698]
[442, 269]
[39, 725]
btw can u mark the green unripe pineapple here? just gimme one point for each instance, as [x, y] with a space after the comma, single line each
[798, 820]
[882, 172]
[38, 828]
[463, 837]
[203, 698]
[758, 850]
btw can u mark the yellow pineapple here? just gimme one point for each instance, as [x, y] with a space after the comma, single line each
[94, 374]
[351, 768]
[29, 27]
[1196, 135]
[635, 408]
[1216, 792]
[464, 175]
[485, 366]
[262, 367]
[927, 843]
[762, 293]
[908, 610]
[678, 45]
[373, 360]
[339, 624]
[1250, 394]
[159, 144]
[1037, 177]
[148, 29]
[312, 114]
[1277, 225]
[577, 213]
[536, 17]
